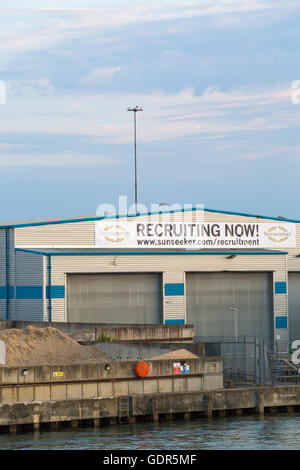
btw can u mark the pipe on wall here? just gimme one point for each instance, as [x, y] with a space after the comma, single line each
[49, 288]
[6, 273]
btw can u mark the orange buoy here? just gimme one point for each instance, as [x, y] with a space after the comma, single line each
[141, 368]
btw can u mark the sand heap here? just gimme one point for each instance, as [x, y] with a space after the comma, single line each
[178, 354]
[42, 346]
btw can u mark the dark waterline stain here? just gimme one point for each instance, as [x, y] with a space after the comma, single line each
[272, 432]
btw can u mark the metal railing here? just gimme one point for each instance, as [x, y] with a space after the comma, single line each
[245, 360]
[282, 369]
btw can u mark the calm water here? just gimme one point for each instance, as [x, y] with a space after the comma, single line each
[272, 432]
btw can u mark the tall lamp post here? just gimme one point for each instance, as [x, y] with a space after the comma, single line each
[135, 110]
[235, 310]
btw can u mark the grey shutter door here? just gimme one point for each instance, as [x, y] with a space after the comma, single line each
[294, 306]
[115, 298]
[211, 295]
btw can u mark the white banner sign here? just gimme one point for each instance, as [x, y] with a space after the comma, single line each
[189, 235]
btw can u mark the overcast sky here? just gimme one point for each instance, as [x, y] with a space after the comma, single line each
[215, 79]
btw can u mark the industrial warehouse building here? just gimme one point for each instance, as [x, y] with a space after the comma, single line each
[57, 270]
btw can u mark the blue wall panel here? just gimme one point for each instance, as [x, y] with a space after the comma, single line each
[174, 322]
[281, 322]
[57, 292]
[280, 287]
[174, 289]
[29, 292]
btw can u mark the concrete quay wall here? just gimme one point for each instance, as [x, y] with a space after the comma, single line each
[81, 381]
[118, 370]
[151, 406]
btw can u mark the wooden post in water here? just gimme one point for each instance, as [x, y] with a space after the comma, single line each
[36, 418]
[154, 410]
[96, 415]
[260, 407]
[208, 411]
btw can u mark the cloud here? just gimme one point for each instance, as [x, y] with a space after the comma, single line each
[57, 159]
[10, 147]
[101, 74]
[58, 24]
[81, 68]
[166, 116]
[34, 87]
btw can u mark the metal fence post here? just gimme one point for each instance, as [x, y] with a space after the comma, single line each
[255, 368]
[261, 362]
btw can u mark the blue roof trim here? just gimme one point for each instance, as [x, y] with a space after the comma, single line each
[35, 252]
[121, 216]
[191, 252]
[257, 216]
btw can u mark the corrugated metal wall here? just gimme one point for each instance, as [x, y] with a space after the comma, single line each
[82, 234]
[75, 234]
[11, 273]
[173, 269]
[29, 287]
[115, 298]
[209, 297]
[294, 306]
[2, 257]
[46, 277]
[78, 234]
[2, 275]
[7, 274]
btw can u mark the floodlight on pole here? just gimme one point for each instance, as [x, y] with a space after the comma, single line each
[135, 110]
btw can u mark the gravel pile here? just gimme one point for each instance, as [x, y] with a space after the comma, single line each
[44, 346]
[178, 354]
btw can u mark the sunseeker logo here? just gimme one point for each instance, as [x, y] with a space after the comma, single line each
[278, 234]
[115, 233]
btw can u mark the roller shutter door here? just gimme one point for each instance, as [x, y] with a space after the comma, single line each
[211, 295]
[294, 306]
[115, 298]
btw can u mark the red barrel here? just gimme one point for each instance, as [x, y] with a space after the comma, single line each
[141, 369]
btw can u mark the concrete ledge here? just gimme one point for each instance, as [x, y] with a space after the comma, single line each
[60, 382]
[129, 350]
[6, 324]
[113, 332]
[149, 406]
[97, 371]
